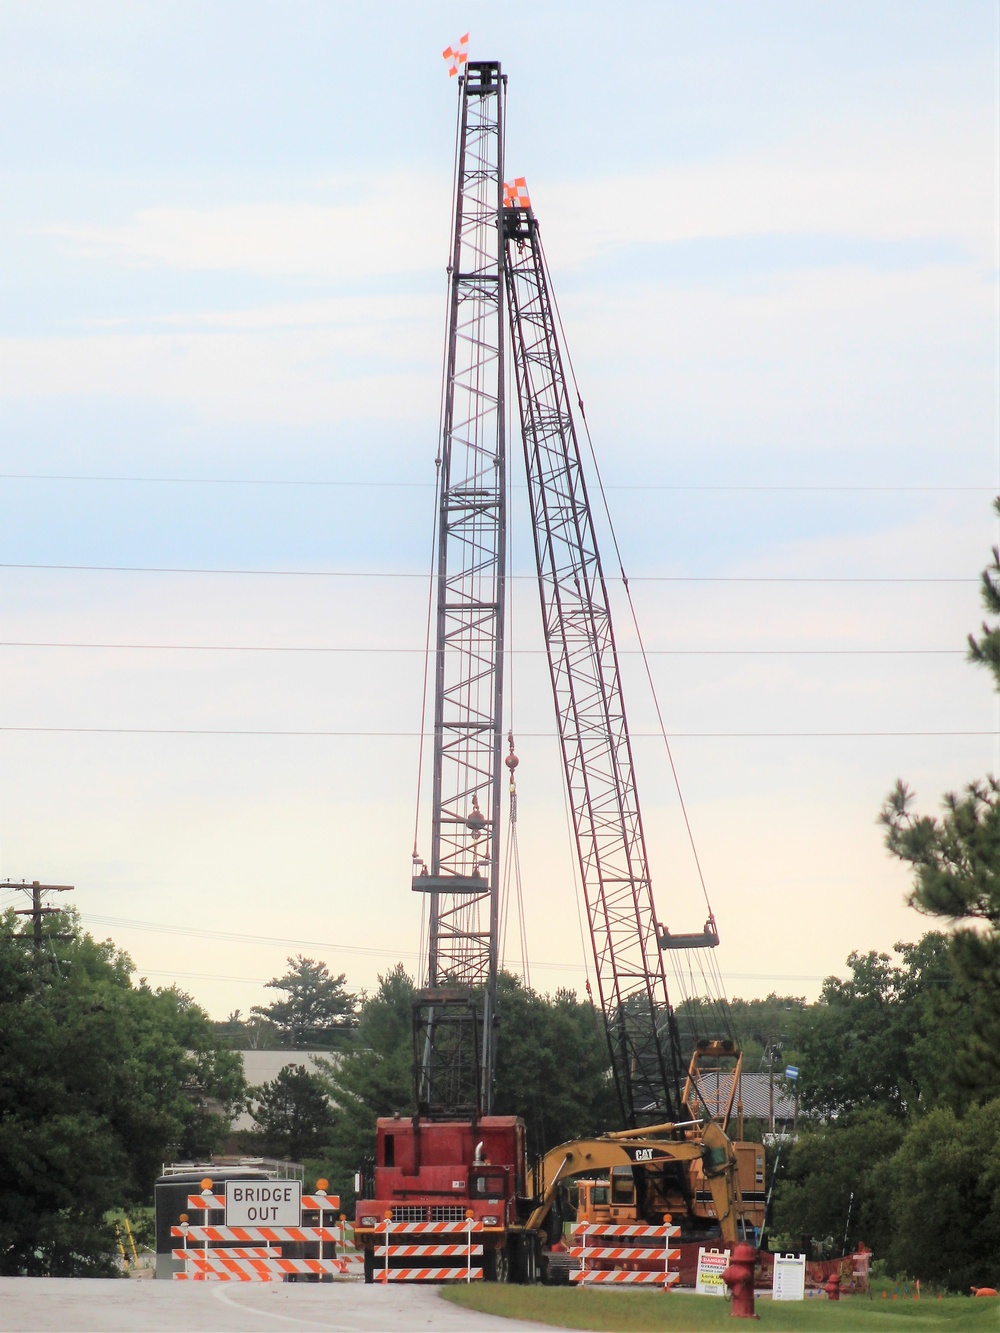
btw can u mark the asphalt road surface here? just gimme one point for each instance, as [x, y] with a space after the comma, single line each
[64, 1305]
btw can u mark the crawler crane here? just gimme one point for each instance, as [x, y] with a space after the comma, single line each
[452, 1170]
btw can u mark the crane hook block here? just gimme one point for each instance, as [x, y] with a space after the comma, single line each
[705, 939]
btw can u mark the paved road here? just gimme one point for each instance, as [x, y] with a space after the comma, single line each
[65, 1305]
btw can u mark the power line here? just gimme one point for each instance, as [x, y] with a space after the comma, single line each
[533, 735]
[368, 483]
[407, 574]
[236, 937]
[522, 652]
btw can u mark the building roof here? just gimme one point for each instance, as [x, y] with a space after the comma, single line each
[261, 1067]
[756, 1095]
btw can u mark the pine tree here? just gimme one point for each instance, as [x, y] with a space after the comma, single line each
[956, 865]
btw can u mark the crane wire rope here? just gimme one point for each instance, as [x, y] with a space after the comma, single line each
[709, 965]
[424, 923]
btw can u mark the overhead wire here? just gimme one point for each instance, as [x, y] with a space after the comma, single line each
[521, 652]
[400, 574]
[531, 735]
[381, 484]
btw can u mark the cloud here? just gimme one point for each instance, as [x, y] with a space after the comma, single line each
[855, 180]
[920, 180]
[388, 227]
[373, 358]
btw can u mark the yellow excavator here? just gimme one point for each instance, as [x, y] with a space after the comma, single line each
[691, 1171]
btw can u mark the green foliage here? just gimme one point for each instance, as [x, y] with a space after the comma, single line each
[552, 1065]
[943, 1193]
[956, 875]
[373, 1077]
[986, 651]
[318, 1010]
[247, 1034]
[768, 1024]
[884, 1037]
[956, 859]
[293, 1116]
[826, 1166]
[101, 1081]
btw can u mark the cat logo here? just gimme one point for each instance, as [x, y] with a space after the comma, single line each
[643, 1155]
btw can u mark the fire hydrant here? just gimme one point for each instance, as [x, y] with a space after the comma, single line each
[832, 1286]
[738, 1277]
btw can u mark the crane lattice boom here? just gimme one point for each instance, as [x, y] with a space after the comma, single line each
[590, 710]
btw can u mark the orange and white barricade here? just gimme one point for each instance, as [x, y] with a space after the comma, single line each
[445, 1240]
[255, 1254]
[625, 1253]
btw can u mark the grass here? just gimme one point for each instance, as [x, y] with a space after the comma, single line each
[635, 1311]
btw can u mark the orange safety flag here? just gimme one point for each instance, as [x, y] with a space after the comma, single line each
[457, 55]
[516, 195]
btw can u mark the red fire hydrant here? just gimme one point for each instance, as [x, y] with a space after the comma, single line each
[738, 1277]
[832, 1286]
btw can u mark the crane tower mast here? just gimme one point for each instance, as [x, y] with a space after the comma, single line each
[454, 1029]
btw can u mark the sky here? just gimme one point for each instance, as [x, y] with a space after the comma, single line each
[772, 232]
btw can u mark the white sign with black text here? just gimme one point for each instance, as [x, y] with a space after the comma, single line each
[255, 1203]
[789, 1277]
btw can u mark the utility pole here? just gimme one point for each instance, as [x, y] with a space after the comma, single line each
[37, 911]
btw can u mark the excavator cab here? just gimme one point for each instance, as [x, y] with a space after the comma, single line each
[622, 1194]
[609, 1200]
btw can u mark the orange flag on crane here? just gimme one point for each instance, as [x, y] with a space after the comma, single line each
[516, 195]
[457, 55]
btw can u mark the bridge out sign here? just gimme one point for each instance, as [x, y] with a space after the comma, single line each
[255, 1203]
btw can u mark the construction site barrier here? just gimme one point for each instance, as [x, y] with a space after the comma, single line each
[454, 1249]
[633, 1259]
[206, 1263]
[429, 1275]
[195, 1276]
[248, 1235]
[230, 1252]
[215, 1260]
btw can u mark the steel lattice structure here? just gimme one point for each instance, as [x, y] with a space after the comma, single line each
[586, 684]
[456, 1065]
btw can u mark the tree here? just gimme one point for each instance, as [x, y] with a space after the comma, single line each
[318, 1009]
[373, 1077]
[101, 1081]
[247, 1034]
[826, 1167]
[293, 1115]
[761, 1026]
[986, 651]
[956, 869]
[552, 1064]
[943, 1191]
[885, 1037]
